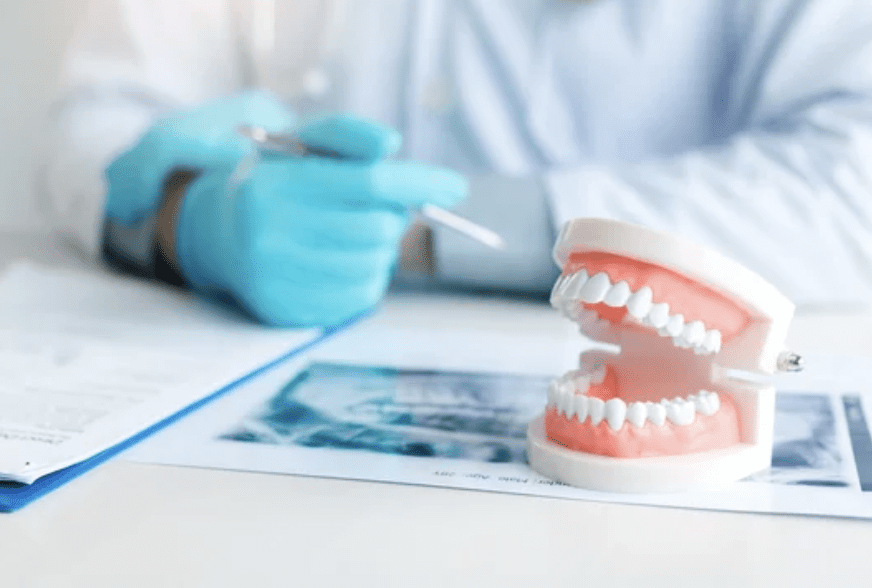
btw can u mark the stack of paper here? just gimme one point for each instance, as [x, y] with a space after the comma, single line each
[88, 359]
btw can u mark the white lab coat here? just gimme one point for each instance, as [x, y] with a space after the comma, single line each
[743, 124]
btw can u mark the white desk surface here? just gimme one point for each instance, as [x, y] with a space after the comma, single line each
[127, 524]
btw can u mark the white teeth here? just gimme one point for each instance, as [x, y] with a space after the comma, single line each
[675, 325]
[691, 335]
[596, 288]
[557, 290]
[656, 413]
[700, 401]
[707, 403]
[598, 376]
[580, 408]
[562, 402]
[712, 341]
[694, 336]
[567, 294]
[680, 342]
[564, 397]
[616, 412]
[680, 411]
[714, 402]
[572, 287]
[596, 408]
[694, 333]
[559, 392]
[570, 291]
[639, 303]
[569, 404]
[618, 295]
[683, 341]
[659, 315]
[568, 397]
[637, 412]
[553, 392]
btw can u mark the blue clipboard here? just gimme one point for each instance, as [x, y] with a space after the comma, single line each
[14, 495]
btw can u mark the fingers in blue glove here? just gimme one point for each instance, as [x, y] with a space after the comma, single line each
[339, 227]
[351, 137]
[330, 183]
[310, 240]
[282, 254]
[272, 239]
[298, 301]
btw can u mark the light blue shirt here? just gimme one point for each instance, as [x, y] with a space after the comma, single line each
[742, 124]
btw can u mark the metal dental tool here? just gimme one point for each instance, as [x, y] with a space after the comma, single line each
[290, 144]
[789, 361]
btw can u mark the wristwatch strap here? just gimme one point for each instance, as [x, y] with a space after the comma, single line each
[135, 249]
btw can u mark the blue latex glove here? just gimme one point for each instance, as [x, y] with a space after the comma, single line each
[198, 139]
[308, 241]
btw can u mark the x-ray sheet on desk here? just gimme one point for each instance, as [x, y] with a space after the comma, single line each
[463, 429]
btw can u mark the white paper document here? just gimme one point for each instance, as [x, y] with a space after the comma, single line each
[89, 359]
[443, 407]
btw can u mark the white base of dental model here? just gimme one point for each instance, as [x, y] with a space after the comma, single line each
[644, 474]
[668, 417]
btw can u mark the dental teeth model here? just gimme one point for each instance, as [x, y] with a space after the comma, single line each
[660, 415]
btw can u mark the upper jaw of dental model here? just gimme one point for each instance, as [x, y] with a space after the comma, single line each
[688, 293]
[572, 291]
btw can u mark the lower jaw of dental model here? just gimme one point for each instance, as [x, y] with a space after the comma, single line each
[660, 414]
[589, 413]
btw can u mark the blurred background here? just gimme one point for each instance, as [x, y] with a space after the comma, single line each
[32, 38]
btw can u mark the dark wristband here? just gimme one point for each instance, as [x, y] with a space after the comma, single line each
[158, 231]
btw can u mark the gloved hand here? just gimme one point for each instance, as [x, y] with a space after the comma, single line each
[198, 139]
[308, 241]
[300, 242]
